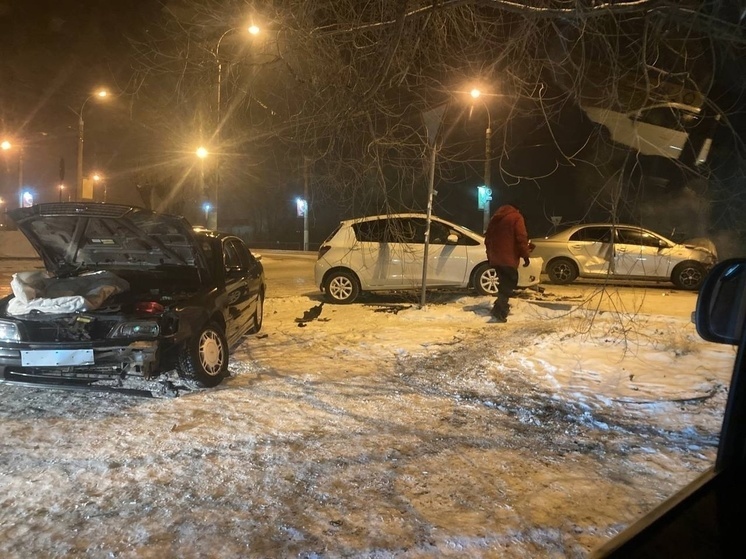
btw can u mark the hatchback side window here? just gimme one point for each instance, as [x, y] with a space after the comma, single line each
[402, 230]
[370, 231]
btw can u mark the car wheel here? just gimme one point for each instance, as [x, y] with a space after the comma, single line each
[204, 358]
[258, 317]
[562, 270]
[485, 280]
[688, 275]
[341, 287]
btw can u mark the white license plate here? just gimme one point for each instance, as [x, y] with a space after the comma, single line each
[56, 357]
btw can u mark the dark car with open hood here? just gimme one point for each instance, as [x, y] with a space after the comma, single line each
[131, 299]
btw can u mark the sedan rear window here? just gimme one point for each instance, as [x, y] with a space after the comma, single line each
[592, 234]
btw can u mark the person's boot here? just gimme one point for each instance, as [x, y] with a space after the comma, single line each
[498, 313]
[503, 305]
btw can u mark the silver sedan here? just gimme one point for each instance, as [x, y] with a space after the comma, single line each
[606, 251]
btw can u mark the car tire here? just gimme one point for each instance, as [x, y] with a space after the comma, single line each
[204, 358]
[258, 317]
[341, 287]
[485, 280]
[688, 275]
[562, 271]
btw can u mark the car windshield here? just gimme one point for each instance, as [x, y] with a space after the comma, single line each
[410, 393]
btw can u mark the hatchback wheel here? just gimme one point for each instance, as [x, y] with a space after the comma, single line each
[486, 280]
[204, 358]
[341, 287]
[688, 275]
[562, 270]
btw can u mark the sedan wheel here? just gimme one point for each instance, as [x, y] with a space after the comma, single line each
[204, 358]
[688, 275]
[341, 287]
[561, 271]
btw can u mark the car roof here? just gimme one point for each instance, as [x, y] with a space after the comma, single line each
[397, 215]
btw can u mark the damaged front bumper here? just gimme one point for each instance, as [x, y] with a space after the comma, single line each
[78, 364]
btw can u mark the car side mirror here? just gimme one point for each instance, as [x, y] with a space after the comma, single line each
[452, 239]
[234, 271]
[721, 305]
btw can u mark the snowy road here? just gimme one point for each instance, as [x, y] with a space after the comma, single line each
[380, 430]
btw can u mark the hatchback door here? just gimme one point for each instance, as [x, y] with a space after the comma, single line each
[639, 253]
[446, 261]
[376, 253]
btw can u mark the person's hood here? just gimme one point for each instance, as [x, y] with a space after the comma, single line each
[76, 237]
[504, 210]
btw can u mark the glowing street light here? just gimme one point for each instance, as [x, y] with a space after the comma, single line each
[100, 93]
[7, 145]
[202, 152]
[206, 207]
[99, 179]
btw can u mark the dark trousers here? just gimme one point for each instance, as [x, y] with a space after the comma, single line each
[508, 277]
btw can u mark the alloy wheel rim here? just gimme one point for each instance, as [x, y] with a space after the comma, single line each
[489, 281]
[340, 288]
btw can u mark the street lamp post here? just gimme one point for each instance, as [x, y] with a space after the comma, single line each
[476, 93]
[5, 146]
[253, 30]
[101, 93]
[98, 179]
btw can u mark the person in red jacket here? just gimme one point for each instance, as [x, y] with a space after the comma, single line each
[507, 242]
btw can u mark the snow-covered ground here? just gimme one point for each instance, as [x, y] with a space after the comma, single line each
[381, 430]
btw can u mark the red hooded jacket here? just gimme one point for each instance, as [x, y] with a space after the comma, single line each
[506, 237]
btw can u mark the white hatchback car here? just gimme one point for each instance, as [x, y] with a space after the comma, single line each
[386, 253]
[602, 250]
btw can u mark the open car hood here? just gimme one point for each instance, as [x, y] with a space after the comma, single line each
[76, 237]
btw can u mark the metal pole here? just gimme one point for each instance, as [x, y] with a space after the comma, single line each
[20, 176]
[487, 177]
[212, 222]
[79, 188]
[306, 162]
[430, 194]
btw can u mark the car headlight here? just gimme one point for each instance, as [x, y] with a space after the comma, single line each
[136, 329]
[9, 331]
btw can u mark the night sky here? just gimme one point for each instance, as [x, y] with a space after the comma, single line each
[55, 53]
